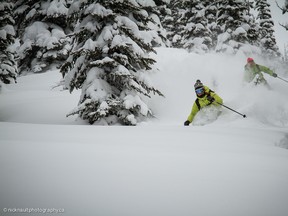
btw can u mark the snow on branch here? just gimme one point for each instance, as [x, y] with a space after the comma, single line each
[284, 8]
[56, 9]
[284, 26]
[98, 10]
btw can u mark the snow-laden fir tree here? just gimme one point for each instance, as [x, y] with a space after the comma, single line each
[174, 22]
[211, 13]
[8, 67]
[110, 61]
[234, 19]
[284, 10]
[167, 21]
[153, 20]
[196, 36]
[41, 28]
[266, 31]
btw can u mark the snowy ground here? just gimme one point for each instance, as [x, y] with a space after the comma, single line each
[232, 166]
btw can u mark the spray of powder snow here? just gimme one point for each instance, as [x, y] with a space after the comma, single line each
[178, 70]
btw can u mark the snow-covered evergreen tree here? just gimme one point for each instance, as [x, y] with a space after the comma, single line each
[211, 12]
[167, 20]
[153, 20]
[196, 36]
[41, 27]
[174, 22]
[235, 20]
[266, 31]
[110, 61]
[8, 66]
[283, 8]
[162, 11]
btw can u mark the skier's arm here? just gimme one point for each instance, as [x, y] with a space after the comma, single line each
[216, 97]
[194, 111]
[266, 70]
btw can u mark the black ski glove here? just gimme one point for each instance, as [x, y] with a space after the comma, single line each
[210, 98]
[274, 75]
[186, 123]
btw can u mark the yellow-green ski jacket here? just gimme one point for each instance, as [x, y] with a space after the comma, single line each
[203, 102]
[252, 71]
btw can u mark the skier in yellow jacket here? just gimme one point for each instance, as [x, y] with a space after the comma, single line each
[205, 97]
[252, 70]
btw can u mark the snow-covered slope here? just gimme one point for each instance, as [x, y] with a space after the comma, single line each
[232, 166]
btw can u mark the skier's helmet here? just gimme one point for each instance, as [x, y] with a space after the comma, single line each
[250, 60]
[199, 88]
[198, 84]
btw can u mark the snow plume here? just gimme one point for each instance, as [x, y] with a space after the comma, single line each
[223, 74]
[271, 109]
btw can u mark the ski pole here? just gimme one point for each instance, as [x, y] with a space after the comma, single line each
[282, 79]
[243, 115]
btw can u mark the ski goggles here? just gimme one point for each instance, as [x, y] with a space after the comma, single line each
[199, 91]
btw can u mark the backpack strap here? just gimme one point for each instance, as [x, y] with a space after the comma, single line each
[197, 103]
[197, 100]
[210, 91]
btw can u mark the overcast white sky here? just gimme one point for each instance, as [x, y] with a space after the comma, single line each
[280, 33]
